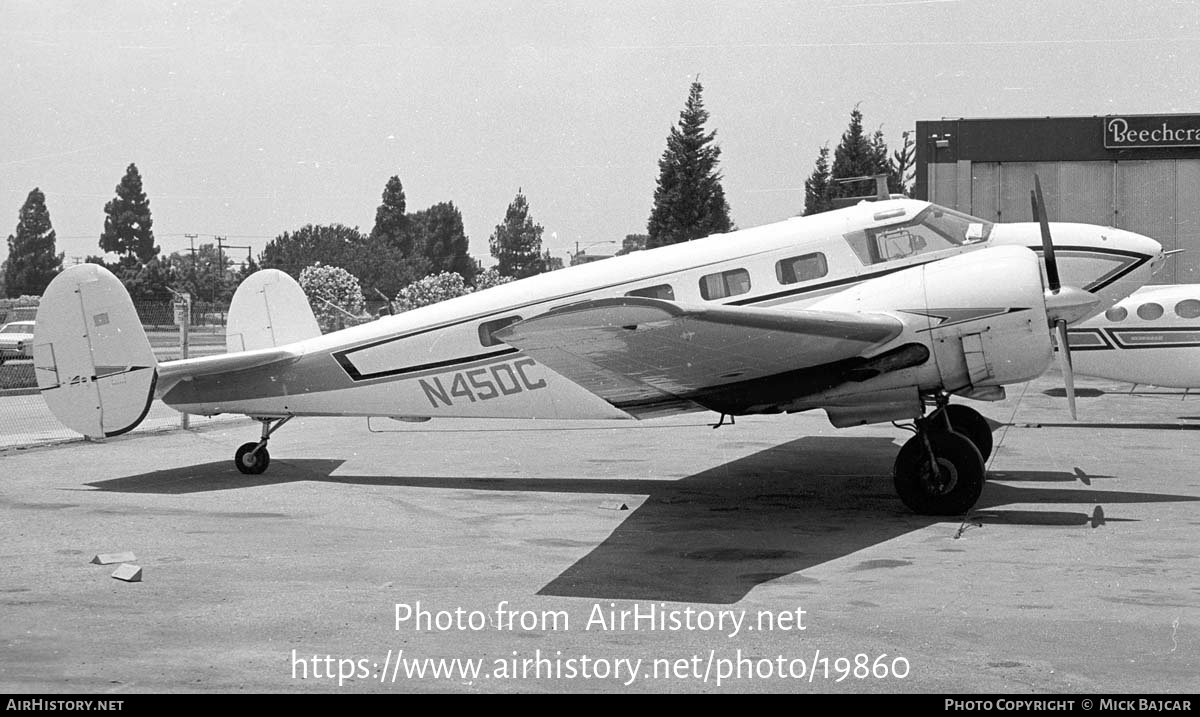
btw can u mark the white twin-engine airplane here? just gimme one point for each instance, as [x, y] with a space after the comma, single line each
[1150, 338]
[877, 312]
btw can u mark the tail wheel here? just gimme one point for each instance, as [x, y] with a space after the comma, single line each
[950, 484]
[252, 462]
[971, 424]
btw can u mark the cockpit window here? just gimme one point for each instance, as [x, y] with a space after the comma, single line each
[934, 229]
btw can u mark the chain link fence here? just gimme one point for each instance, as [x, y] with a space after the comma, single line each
[26, 421]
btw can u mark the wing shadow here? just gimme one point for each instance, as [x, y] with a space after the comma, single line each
[713, 536]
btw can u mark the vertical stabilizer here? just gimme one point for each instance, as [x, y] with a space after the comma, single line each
[93, 362]
[268, 310]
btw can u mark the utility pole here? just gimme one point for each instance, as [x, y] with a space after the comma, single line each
[221, 246]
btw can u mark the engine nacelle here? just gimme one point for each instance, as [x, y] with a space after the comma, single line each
[982, 316]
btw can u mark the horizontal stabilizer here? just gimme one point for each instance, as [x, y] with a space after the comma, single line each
[269, 309]
[171, 372]
[93, 362]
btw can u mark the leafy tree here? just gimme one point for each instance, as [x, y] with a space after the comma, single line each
[334, 295]
[128, 226]
[31, 262]
[333, 245]
[490, 277]
[443, 240]
[204, 274]
[149, 281]
[632, 243]
[517, 242]
[430, 290]
[816, 187]
[689, 202]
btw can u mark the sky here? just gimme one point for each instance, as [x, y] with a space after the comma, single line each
[248, 119]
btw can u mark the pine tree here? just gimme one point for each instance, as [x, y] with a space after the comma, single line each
[856, 156]
[816, 187]
[31, 262]
[128, 226]
[689, 202]
[517, 243]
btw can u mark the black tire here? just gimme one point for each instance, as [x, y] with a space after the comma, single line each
[970, 423]
[953, 488]
[249, 462]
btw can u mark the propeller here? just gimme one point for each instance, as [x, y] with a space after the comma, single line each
[1064, 304]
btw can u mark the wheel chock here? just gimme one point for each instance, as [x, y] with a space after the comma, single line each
[128, 573]
[614, 505]
[110, 558]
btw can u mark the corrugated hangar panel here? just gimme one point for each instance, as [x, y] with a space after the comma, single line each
[1016, 181]
[943, 178]
[1146, 205]
[1086, 192]
[985, 191]
[1187, 221]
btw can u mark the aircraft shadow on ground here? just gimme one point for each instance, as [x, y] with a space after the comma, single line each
[713, 536]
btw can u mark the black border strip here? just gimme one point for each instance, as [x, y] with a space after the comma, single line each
[343, 356]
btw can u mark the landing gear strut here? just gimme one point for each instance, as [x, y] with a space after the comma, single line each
[970, 423]
[940, 471]
[253, 458]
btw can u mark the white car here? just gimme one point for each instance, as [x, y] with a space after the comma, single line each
[16, 340]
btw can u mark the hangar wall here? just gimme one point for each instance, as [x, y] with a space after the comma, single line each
[1135, 172]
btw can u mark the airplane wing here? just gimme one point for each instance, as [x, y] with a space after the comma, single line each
[649, 356]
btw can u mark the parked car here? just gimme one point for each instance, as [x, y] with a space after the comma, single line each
[16, 340]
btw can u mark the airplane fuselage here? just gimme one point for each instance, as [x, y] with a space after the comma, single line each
[442, 360]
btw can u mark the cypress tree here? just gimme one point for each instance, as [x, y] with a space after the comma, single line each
[31, 262]
[128, 226]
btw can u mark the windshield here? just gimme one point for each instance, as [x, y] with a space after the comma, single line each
[934, 229]
[17, 329]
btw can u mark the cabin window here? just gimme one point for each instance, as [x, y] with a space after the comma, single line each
[727, 283]
[1188, 309]
[1150, 311]
[801, 268]
[1116, 313]
[661, 291]
[488, 327]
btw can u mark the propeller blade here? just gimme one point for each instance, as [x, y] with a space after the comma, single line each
[1064, 362]
[1039, 215]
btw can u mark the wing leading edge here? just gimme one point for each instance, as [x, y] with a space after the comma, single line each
[649, 356]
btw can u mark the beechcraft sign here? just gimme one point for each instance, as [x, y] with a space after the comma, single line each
[1151, 131]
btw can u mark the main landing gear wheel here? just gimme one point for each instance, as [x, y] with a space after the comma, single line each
[250, 461]
[253, 458]
[949, 484]
[968, 422]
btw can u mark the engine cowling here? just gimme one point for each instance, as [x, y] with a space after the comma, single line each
[982, 316]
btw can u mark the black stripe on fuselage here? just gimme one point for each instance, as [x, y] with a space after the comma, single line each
[343, 356]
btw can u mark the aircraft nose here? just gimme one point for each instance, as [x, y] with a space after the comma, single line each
[1131, 241]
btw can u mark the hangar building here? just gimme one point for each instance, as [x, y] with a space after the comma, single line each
[1135, 172]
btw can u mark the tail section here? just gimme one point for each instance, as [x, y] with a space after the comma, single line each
[268, 310]
[93, 362]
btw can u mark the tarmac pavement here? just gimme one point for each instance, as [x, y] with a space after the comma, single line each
[1077, 572]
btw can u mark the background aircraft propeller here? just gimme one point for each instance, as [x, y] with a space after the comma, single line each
[1064, 304]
